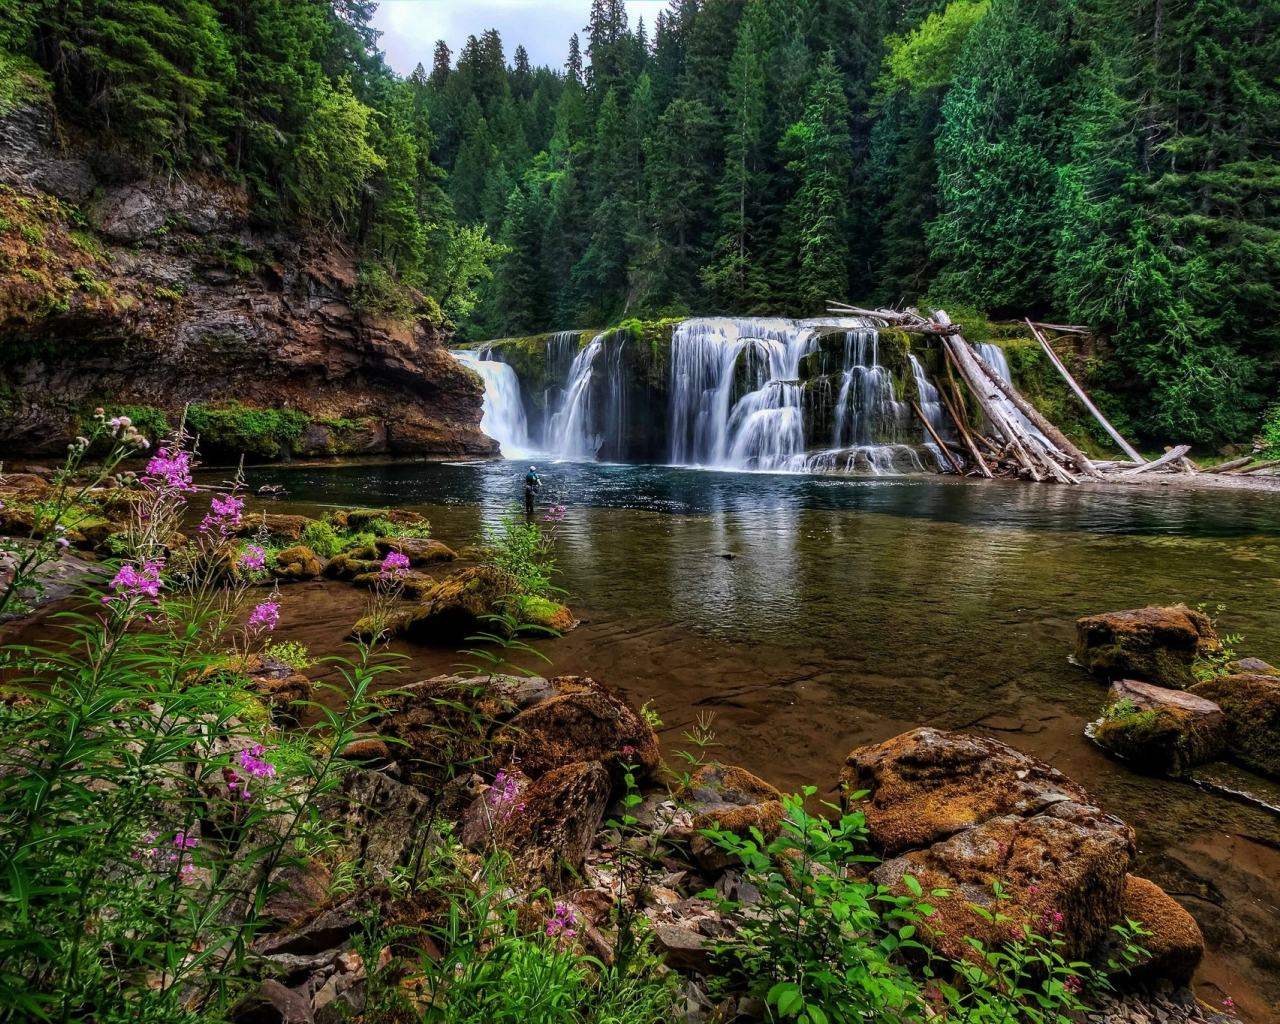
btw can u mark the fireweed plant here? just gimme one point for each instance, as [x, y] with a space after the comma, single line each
[143, 823]
[524, 550]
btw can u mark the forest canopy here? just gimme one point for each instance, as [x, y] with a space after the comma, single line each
[1104, 162]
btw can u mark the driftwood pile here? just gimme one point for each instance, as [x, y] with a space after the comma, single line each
[1006, 446]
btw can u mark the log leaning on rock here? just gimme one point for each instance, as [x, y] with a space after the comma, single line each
[1172, 455]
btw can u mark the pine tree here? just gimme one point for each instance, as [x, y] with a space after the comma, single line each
[573, 65]
[441, 62]
[736, 277]
[817, 229]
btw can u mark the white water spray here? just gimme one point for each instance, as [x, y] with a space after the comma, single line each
[503, 417]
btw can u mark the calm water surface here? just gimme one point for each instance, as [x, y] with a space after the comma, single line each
[814, 614]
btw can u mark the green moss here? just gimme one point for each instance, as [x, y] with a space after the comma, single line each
[321, 538]
[240, 428]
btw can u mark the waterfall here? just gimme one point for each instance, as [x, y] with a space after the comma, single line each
[712, 360]
[994, 355]
[590, 419]
[867, 407]
[931, 406]
[503, 409]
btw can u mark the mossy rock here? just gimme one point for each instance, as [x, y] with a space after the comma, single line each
[345, 567]
[281, 527]
[539, 611]
[1155, 645]
[1251, 704]
[729, 799]
[475, 553]
[419, 550]
[455, 608]
[296, 563]
[414, 586]
[358, 519]
[1160, 741]
[369, 628]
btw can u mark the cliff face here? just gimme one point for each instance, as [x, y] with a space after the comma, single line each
[124, 290]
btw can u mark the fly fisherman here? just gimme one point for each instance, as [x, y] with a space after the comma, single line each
[531, 484]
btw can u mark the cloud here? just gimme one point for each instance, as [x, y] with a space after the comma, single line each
[410, 28]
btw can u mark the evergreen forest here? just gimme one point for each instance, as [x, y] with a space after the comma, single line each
[1111, 163]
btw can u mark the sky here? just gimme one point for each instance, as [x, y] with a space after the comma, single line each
[410, 28]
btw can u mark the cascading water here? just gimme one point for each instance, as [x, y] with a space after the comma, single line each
[503, 416]
[738, 400]
[758, 360]
[590, 420]
[931, 406]
[994, 356]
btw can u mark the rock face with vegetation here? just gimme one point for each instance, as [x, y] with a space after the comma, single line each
[1157, 645]
[143, 294]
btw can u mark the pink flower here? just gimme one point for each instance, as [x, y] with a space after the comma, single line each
[628, 749]
[223, 516]
[1229, 1003]
[1073, 984]
[264, 617]
[169, 473]
[505, 792]
[252, 558]
[132, 583]
[561, 924]
[394, 565]
[184, 841]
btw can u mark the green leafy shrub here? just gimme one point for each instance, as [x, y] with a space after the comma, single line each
[523, 550]
[240, 428]
[1269, 439]
[320, 537]
[291, 652]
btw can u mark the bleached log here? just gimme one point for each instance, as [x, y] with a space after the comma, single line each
[1125, 446]
[1045, 427]
[962, 428]
[1227, 467]
[1172, 455]
[1024, 447]
[1261, 465]
[937, 440]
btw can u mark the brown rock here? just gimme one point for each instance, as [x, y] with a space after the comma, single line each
[684, 948]
[296, 563]
[284, 527]
[376, 820]
[272, 1003]
[281, 684]
[345, 567]
[370, 749]
[732, 800]
[1063, 872]
[1253, 667]
[1167, 732]
[359, 518]
[1175, 943]
[34, 485]
[1251, 704]
[927, 784]
[584, 720]
[414, 585]
[298, 891]
[562, 813]
[1159, 645]
[419, 550]
[455, 608]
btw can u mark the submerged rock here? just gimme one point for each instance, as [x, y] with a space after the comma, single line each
[979, 812]
[346, 567]
[1160, 731]
[1251, 704]
[733, 800]
[1159, 645]
[538, 611]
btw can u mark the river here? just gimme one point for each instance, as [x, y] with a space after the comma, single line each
[815, 614]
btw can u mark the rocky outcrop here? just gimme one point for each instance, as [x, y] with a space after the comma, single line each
[179, 299]
[553, 830]
[419, 550]
[1251, 704]
[456, 607]
[728, 799]
[970, 812]
[1158, 645]
[1158, 730]
[296, 563]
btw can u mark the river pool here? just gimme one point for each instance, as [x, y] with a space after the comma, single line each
[814, 614]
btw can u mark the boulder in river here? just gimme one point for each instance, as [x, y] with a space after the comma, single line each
[1251, 704]
[970, 812]
[1175, 942]
[346, 567]
[419, 550]
[1158, 730]
[1158, 645]
[296, 563]
[282, 527]
[455, 608]
[278, 683]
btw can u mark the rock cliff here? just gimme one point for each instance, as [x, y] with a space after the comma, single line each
[145, 294]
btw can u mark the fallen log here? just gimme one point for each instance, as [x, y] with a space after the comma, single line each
[1025, 448]
[962, 428]
[1227, 467]
[1172, 455]
[941, 447]
[1260, 465]
[1125, 446]
[1035, 416]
